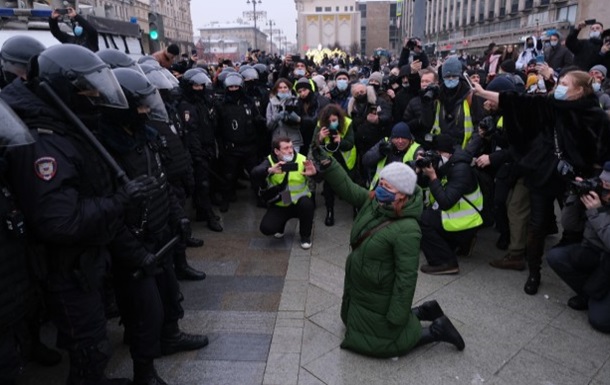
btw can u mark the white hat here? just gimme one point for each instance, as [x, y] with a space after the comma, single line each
[400, 176]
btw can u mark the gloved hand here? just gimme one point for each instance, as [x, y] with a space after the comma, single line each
[184, 229]
[148, 260]
[431, 92]
[137, 190]
[281, 116]
[385, 148]
[293, 117]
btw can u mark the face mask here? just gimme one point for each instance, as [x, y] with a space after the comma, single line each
[594, 34]
[364, 81]
[560, 92]
[383, 195]
[405, 85]
[554, 43]
[334, 125]
[283, 95]
[286, 158]
[597, 87]
[530, 45]
[451, 83]
[376, 87]
[443, 160]
[342, 85]
[78, 30]
[360, 98]
[299, 72]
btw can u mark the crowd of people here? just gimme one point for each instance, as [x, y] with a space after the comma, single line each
[100, 154]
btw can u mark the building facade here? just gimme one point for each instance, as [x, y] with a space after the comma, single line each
[327, 23]
[380, 26]
[231, 41]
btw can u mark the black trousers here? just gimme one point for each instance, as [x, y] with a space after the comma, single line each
[438, 244]
[10, 359]
[234, 160]
[276, 217]
[201, 194]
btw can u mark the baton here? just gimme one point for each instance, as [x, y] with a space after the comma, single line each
[120, 174]
[158, 255]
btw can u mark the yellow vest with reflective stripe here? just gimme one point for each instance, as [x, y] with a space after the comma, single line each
[408, 156]
[468, 127]
[297, 182]
[462, 216]
[349, 156]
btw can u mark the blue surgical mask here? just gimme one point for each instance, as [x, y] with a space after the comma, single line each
[451, 83]
[299, 72]
[342, 84]
[597, 87]
[78, 30]
[334, 125]
[560, 92]
[383, 195]
[364, 81]
[554, 43]
[283, 95]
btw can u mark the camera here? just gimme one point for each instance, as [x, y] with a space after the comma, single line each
[411, 44]
[431, 92]
[488, 126]
[429, 158]
[583, 187]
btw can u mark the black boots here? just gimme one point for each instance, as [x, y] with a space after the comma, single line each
[173, 340]
[194, 242]
[144, 373]
[532, 283]
[330, 216]
[87, 366]
[184, 272]
[428, 311]
[210, 217]
[441, 329]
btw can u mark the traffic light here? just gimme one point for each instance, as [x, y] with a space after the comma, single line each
[155, 26]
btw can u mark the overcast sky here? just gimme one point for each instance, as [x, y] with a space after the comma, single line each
[282, 12]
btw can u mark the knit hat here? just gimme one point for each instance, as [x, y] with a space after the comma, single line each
[376, 77]
[342, 71]
[605, 175]
[400, 176]
[320, 81]
[444, 143]
[303, 83]
[452, 67]
[173, 49]
[404, 71]
[501, 83]
[401, 130]
[508, 66]
[600, 68]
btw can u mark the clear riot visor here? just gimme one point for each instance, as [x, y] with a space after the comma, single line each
[101, 88]
[201, 78]
[170, 77]
[159, 80]
[136, 67]
[154, 107]
[13, 132]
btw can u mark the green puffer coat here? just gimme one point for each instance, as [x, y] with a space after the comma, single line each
[381, 274]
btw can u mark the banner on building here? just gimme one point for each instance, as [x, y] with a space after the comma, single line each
[399, 5]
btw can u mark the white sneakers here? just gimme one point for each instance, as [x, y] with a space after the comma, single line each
[305, 243]
[278, 235]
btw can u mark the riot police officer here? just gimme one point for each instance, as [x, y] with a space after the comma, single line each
[15, 54]
[14, 282]
[70, 200]
[237, 135]
[199, 117]
[260, 95]
[149, 301]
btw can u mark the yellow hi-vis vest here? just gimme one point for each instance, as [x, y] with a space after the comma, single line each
[462, 215]
[408, 156]
[349, 156]
[468, 127]
[297, 182]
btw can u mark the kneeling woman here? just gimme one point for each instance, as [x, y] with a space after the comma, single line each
[381, 270]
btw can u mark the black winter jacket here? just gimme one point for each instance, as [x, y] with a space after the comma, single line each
[461, 180]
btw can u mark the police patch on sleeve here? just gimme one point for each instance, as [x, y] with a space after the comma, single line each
[46, 168]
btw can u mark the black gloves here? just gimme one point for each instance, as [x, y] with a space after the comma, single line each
[137, 190]
[431, 92]
[385, 148]
[184, 229]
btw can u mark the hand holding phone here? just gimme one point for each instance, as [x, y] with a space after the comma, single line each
[290, 166]
[62, 11]
[540, 59]
[590, 21]
[465, 74]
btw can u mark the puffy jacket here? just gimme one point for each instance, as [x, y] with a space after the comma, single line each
[380, 274]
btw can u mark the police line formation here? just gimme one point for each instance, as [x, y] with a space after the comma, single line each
[99, 155]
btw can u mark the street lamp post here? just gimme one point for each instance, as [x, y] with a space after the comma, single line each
[254, 16]
[271, 23]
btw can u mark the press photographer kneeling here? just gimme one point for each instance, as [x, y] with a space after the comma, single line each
[585, 266]
[286, 191]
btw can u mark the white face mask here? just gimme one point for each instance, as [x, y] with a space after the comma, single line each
[443, 160]
[594, 34]
[286, 158]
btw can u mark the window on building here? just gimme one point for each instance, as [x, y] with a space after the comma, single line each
[337, 9]
[318, 9]
[567, 14]
[351, 8]
[362, 10]
[346, 8]
[328, 9]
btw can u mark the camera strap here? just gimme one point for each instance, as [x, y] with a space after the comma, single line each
[473, 206]
[558, 152]
[372, 231]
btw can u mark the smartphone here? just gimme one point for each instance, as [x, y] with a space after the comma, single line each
[467, 78]
[290, 166]
[373, 109]
[296, 57]
[62, 11]
[540, 59]
[590, 21]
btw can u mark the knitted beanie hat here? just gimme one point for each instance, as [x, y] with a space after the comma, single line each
[376, 77]
[452, 67]
[400, 176]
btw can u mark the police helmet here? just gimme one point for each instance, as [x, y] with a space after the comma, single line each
[249, 74]
[141, 93]
[147, 58]
[224, 73]
[244, 67]
[196, 76]
[234, 79]
[17, 51]
[156, 77]
[74, 73]
[117, 59]
[13, 132]
[263, 70]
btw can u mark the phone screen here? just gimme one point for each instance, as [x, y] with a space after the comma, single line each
[468, 80]
[540, 59]
[291, 166]
[62, 11]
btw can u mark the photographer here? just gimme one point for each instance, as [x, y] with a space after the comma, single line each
[400, 147]
[412, 50]
[284, 168]
[591, 51]
[450, 220]
[428, 91]
[585, 267]
[84, 34]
